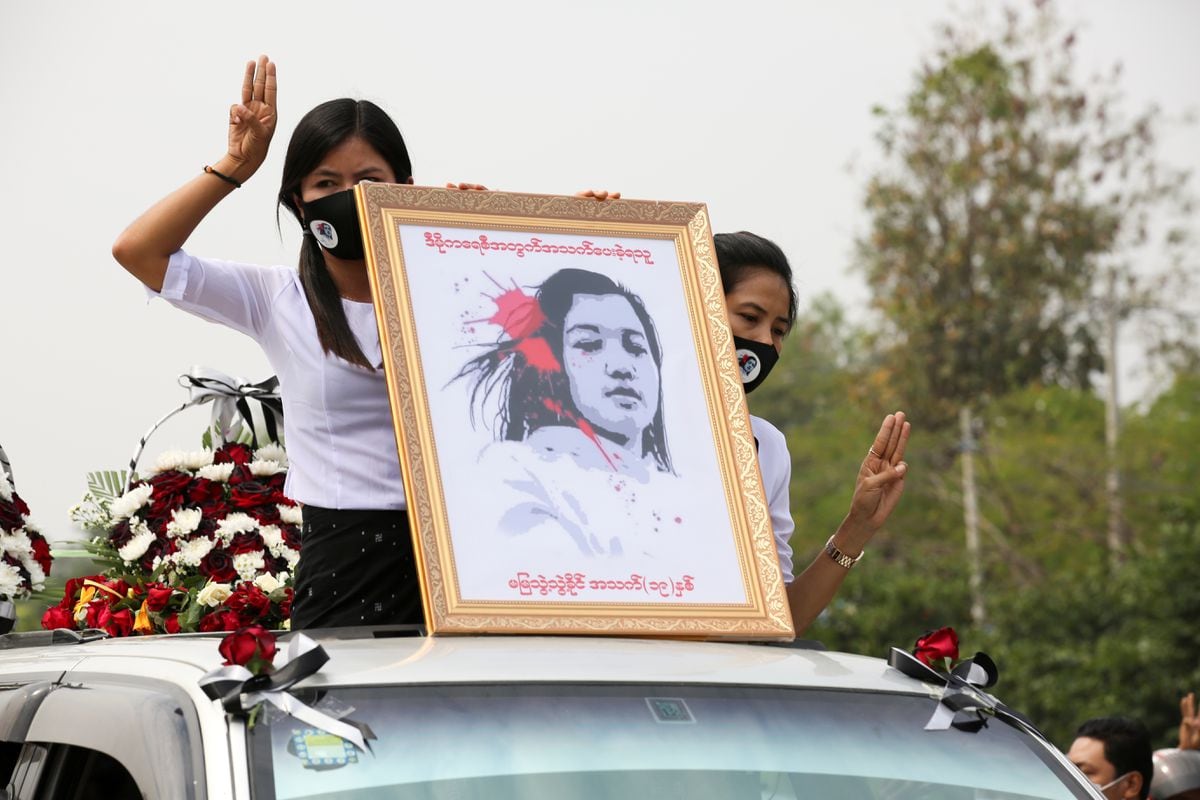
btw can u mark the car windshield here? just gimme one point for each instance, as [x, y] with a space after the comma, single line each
[620, 742]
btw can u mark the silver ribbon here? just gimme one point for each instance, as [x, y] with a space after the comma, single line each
[240, 690]
[230, 408]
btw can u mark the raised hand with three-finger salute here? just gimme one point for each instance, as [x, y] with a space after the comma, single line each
[252, 121]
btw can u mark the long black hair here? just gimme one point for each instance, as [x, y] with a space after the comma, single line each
[532, 396]
[740, 253]
[318, 132]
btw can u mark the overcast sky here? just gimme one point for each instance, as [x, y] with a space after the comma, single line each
[757, 109]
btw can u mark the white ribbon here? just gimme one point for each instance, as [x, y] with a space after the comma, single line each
[229, 397]
[222, 684]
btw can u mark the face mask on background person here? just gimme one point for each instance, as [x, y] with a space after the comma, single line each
[754, 360]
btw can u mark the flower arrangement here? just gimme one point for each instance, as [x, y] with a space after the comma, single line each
[24, 553]
[204, 541]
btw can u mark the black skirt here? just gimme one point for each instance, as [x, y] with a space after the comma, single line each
[355, 568]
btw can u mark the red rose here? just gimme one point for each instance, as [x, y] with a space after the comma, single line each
[291, 536]
[249, 603]
[57, 617]
[120, 535]
[252, 493]
[10, 516]
[247, 542]
[233, 453]
[157, 597]
[248, 644]
[170, 491]
[212, 622]
[936, 646]
[171, 624]
[218, 565]
[160, 547]
[71, 591]
[117, 623]
[207, 495]
[267, 514]
[41, 552]
[285, 608]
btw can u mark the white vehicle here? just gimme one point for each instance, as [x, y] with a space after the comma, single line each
[501, 717]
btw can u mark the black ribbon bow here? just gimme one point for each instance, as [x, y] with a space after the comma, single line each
[963, 703]
[240, 691]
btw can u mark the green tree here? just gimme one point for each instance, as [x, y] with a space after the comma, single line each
[1009, 196]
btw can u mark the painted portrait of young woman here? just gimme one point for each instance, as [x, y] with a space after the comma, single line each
[575, 381]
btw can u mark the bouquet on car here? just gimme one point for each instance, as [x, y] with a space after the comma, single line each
[201, 541]
[24, 553]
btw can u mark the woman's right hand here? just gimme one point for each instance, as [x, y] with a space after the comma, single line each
[252, 121]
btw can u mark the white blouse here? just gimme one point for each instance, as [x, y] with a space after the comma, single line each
[775, 463]
[340, 442]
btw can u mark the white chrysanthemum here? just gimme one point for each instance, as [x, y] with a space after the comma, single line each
[272, 537]
[263, 469]
[216, 472]
[136, 547]
[6, 491]
[183, 521]
[272, 452]
[37, 578]
[213, 594]
[291, 557]
[248, 565]
[234, 524]
[198, 459]
[290, 514]
[191, 553]
[171, 459]
[267, 582]
[10, 581]
[125, 505]
[16, 544]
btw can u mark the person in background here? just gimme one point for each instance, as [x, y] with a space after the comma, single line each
[1114, 753]
[761, 303]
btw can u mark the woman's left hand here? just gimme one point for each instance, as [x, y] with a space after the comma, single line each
[467, 187]
[879, 485]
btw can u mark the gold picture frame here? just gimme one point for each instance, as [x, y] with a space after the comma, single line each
[577, 459]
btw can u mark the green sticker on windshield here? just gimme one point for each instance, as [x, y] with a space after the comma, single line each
[669, 709]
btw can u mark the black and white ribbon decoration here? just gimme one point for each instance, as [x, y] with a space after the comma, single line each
[231, 408]
[6, 465]
[962, 703]
[240, 690]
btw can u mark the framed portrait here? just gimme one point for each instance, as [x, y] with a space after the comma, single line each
[572, 429]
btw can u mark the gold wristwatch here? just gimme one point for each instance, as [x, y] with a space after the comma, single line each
[840, 558]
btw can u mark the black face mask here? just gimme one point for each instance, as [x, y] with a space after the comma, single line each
[754, 360]
[333, 221]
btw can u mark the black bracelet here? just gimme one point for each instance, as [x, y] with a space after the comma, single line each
[231, 181]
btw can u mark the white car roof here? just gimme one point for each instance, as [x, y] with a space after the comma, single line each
[357, 658]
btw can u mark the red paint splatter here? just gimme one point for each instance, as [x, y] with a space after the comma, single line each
[519, 314]
[584, 426]
[538, 355]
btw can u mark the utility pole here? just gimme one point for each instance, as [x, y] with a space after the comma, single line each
[971, 516]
